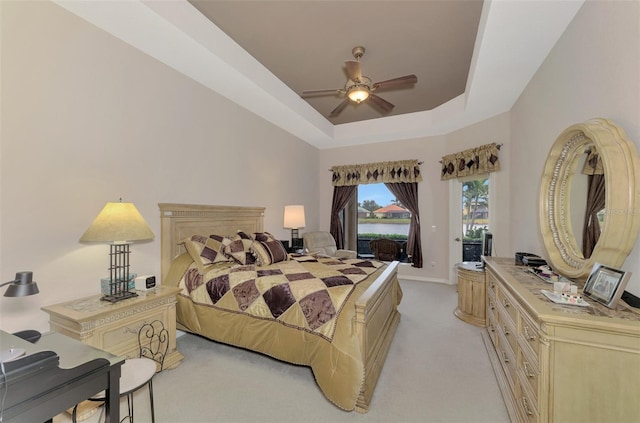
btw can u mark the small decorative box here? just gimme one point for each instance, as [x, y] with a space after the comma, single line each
[105, 284]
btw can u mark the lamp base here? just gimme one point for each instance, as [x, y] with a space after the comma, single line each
[11, 354]
[114, 298]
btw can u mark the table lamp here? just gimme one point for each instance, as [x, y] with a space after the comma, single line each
[294, 219]
[22, 286]
[118, 224]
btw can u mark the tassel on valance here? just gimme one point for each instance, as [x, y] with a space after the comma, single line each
[593, 163]
[474, 161]
[374, 173]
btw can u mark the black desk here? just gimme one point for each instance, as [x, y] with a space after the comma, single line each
[82, 372]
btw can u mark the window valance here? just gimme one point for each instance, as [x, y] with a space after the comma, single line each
[373, 173]
[479, 160]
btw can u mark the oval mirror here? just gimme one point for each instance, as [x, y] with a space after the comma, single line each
[621, 221]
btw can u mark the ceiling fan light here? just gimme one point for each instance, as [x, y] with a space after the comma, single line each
[358, 93]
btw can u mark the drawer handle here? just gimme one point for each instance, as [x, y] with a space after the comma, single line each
[527, 335]
[506, 330]
[491, 306]
[505, 358]
[491, 328]
[526, 370]
[525, 405]
[506, 303]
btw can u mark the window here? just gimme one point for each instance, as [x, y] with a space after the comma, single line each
[475, 217]
[380, 215]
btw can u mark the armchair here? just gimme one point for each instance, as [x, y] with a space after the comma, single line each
[323, 243]
[385, 249]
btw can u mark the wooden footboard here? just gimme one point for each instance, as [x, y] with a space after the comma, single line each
[377, 318]
[377, 314]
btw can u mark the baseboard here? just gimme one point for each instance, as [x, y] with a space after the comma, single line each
[424, 279]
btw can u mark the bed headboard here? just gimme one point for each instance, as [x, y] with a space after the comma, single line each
[179, 221]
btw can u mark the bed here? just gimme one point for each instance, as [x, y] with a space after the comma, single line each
[346, 350]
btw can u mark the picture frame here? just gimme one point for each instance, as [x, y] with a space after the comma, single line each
[606, 284]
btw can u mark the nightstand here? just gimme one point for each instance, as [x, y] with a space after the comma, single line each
[114, 327]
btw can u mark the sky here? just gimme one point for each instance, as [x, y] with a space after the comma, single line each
[376, 192]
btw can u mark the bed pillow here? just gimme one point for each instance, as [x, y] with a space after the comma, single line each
[239, 249]
[206, 251]
[269, 252]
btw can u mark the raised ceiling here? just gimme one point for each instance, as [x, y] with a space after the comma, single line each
[305, 45]
[513, 38]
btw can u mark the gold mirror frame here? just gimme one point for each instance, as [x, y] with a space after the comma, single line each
[622, 197]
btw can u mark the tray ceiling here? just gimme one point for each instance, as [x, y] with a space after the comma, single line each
[472, 58]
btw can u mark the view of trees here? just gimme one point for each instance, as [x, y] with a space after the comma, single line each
[370, 205]
[475, 195]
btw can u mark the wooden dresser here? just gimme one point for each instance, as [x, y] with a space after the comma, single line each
[114, 327]
[559, 363]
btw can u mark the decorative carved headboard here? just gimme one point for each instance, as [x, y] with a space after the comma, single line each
[179, 221]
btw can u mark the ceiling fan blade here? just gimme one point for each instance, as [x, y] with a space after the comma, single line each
[333, 91]
[335, 112]
[383, 104]
[396, 82]
[354, 70]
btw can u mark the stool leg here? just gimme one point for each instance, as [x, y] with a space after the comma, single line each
[153, 414]
[130, 406]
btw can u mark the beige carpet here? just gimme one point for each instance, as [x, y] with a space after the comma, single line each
[437, 371]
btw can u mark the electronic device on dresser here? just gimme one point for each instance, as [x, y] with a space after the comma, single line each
[145, 282]
[487, 243]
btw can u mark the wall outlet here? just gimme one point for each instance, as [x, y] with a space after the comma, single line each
[433, 264]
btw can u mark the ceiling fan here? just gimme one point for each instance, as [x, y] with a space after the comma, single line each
[359, 88]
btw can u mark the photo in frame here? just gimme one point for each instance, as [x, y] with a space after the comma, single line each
[606, 284]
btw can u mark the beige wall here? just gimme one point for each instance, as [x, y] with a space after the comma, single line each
[87, 119]
[593, 71]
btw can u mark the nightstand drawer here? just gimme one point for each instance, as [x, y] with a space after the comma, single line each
[123, 339]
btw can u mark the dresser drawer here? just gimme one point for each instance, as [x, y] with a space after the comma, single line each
[507, 359]
[527, 407]
[492, 329]
[492, 307]
[529, 372]
[529, 335]
[508, 305]
[492, 286]
[508, 331]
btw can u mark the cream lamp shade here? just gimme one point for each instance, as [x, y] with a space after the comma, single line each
[294, 217]
[118, 223]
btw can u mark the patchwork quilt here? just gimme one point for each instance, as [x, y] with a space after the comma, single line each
[306, 292]
[301, 311]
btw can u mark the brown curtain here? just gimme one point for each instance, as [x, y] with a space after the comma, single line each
[341, 196]
[407, 194]
[595, 203]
